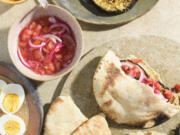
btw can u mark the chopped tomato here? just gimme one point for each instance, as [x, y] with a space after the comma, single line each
[168, 94]
[51, 67]
[26, 35]
[40, 55]
[24, 53]
[157, 86]
[37, 54]
[177, 87]
[136, 72]
[35, 34]
[58, 57]
[136, 60]
[38, 28]
[37, 42]
[50, 45]
[126, 69]
[22, 44]
[45, 29]
[28, 32]
[32, 25]
[58, 65]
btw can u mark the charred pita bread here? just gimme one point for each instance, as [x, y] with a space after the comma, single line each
[96, 125]
[63, 117]
[147, 133]
[126, 100]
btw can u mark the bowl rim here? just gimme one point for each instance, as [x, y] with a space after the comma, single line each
[103, 22]
[51, 77]
[13, 2]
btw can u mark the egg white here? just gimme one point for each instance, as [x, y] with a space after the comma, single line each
[3, 85]
[6, 117]
[13, 89]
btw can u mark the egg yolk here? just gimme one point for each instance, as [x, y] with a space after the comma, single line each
[11, 102]
[12, 127]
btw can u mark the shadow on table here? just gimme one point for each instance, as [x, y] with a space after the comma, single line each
[4, 7]
[4, 46]
[97, 27]
[82, 89]
[55, 95]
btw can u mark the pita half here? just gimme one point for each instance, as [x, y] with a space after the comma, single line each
[63, 117]
[126, 100]
[96, 125]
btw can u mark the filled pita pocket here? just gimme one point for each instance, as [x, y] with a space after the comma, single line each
[63, 117]
[96, 125]
[131, 94]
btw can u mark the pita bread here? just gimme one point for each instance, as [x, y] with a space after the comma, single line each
[126, 100]
[147, 133]
[63, 117]
[96, 125]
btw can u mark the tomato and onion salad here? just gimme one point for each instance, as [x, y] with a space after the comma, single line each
[46, 45]
[132, 69]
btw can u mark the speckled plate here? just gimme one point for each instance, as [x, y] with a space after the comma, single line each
[87, 11]
[31, 111]
[162, 54]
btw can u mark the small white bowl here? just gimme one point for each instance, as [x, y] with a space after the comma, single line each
[37, 12]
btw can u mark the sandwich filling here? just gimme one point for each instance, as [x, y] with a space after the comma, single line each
[134, 70]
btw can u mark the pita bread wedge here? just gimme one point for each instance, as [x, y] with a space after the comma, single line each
[96, 125]
[147, 133]
[63, 117]
[125, 99]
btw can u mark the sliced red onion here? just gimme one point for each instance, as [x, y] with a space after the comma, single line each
[53, 38]
[129, 65]
[22, 59]
[52, 19]
[41, 53]
[61, 32]
[157, 91]
[62, 25]
[59, 45]
[36, 46]
[39, 38]
[131, 74]
[141, 78]
[126, 64]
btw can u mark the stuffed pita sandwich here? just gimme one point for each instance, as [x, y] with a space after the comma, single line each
[130, 92]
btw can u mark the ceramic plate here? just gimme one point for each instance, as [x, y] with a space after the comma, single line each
[87, 11]
[162, 54]
[31, 111]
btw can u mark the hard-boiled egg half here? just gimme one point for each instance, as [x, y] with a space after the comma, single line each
[12, 125]
[12, 98]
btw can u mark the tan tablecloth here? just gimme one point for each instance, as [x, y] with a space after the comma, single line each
[162, 20]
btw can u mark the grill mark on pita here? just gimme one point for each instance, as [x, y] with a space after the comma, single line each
[111, 114]
[112, 74]
[107, 104]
